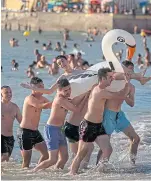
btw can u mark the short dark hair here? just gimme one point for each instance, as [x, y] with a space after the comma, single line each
[75, 44]
[63, 52]
[36, 80]
[5, 87]
[58, 43]
[61, 56]
[139, 55]
[36, 50]
[85, 63]
[63, 83]
[72, 55]
[127, 63]
[103, 73]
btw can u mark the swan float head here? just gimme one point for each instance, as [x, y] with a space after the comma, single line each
[119, 36]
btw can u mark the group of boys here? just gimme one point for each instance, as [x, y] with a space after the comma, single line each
[93, 118]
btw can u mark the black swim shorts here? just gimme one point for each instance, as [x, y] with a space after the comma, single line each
[27, 138]
[7, 144]
[71, 132]
[90, 131]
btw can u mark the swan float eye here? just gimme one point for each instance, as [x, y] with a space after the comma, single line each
[120, 39]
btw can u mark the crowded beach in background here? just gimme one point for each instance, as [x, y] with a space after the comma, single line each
[98, 134]
[126, 7]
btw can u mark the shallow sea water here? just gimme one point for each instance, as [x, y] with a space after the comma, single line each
[139, 115]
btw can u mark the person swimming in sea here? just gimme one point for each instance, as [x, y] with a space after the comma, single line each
[89, 38]
[13, 42]
[15, 65]
[58, 47]
[53, 68]
[139, 61]
[42, 63]
[30, 73]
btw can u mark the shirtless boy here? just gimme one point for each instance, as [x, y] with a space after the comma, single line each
[115, 119]
[38, 55]
[9, 112]
[147, 57]
[71, 129]
[54, 136]
[64, 64]
[28, 135]
[91, 128]
[136, 76]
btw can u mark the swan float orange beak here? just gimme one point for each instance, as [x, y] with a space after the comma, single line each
[131, 51]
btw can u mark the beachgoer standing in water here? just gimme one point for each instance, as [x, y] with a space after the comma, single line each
[54, 135]
[28, 135]
[71, 129]
[147, 57]
[115, 119]
[9, 112]
[38, 55]
[91, 128]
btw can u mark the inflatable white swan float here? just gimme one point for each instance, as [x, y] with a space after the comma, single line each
[83, 82]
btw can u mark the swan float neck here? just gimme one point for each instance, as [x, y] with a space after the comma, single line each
[83, 82]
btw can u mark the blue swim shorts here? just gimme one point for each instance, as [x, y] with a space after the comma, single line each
[122, 122]
[114, 121]
[54, 137]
